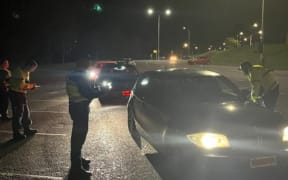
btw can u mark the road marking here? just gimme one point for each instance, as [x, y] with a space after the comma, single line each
[47, 100]
[42, 134]
[30, 176]
[55, 112]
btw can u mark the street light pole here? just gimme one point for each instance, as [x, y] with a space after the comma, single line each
[189, 42]
[150, 11]
[158, 49]
[261, 48]
[189, 38]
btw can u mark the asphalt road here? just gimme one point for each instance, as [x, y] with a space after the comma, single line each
[113, 153]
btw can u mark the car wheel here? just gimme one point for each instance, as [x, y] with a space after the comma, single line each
[132, 128]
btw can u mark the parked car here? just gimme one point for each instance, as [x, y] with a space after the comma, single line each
[199, 60]
[118, 77]
[95, 69]
[202, 116]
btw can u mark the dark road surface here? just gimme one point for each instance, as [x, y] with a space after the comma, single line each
[113, 153]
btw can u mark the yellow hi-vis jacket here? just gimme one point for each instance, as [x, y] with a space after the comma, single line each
[262, 81]
[73, 92]
[19, 81]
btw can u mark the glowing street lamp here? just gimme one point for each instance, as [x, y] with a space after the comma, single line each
[150, 11]
[255, 25]
[168, 12]
[260, 32]
[185, 45]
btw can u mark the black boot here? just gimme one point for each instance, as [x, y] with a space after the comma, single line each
[85, 164]
[30, 132]
[77, 170]
[17, 136]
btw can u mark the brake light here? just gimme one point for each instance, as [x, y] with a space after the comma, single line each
[126, 93]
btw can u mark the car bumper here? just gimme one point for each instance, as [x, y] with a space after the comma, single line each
[236, 162]
[116, 94]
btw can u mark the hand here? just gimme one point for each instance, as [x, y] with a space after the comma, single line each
[31, 86]
[260, 102]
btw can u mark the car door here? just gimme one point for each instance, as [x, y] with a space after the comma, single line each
[155, 119]
[140, 94]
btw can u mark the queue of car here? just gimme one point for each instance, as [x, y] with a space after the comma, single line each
[196, 115]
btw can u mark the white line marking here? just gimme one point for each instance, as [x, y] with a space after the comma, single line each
[30, 176]
[47, 100]
[42, 134]
[56, 112]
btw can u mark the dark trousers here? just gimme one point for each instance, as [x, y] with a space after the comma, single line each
[4, 101]
[79, 113]
[270, 98]
[20, 111]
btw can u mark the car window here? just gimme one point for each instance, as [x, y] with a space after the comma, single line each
[227, 87]
[115, 68]
[199, 89]
[141, 89]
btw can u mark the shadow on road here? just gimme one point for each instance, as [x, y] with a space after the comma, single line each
[12, 145]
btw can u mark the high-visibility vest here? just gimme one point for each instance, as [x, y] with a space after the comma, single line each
[73, 92]
[262, 81]
[78, 87]
[19, 80]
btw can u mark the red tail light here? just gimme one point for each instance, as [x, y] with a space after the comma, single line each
[126, 93]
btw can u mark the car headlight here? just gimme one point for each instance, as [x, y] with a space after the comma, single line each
[285, 135]
[92, 75]
[107, 84]
[209, 141]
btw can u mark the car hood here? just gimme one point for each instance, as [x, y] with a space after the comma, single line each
[225, 117]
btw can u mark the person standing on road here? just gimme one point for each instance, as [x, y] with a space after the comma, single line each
[5, 75]
[19, 85]
[264, 87]
[80, 92]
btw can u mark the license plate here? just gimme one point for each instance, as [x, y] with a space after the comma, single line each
[263, 162]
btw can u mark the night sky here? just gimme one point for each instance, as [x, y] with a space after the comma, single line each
[49, 29]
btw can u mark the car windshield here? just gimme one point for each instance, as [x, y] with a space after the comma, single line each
[195, 89]
[119, 69]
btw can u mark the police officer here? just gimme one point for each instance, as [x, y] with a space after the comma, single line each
[264, 87]
[19, 85]
[81, 92]
[5, 75]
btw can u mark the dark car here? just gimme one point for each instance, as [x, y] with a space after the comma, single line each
[202, 116]
[119, 78]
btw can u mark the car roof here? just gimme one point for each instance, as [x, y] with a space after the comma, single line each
[181, 72]
[105, 62]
